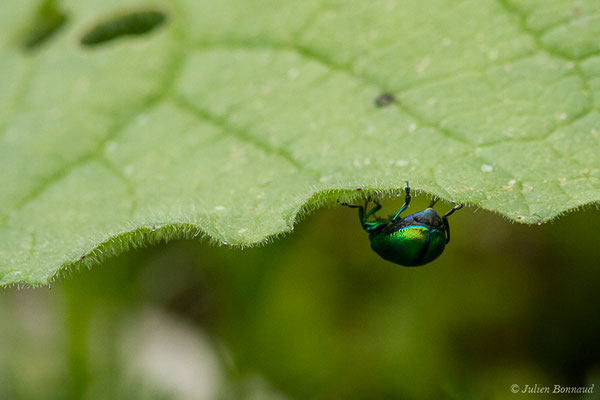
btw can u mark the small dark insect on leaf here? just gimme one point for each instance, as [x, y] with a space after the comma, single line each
[384, 99]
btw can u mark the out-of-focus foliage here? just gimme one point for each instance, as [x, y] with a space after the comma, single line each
[317, 315]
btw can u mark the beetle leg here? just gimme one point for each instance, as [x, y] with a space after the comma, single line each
[445, 220]
[368, 226]
[458, 207]
[372, 210]
[407, 200]
[446, 228]
[361, 212]
[376, 225]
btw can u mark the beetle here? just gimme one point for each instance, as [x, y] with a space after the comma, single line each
[414, 240]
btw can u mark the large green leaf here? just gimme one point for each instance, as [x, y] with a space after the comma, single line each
[230, 117]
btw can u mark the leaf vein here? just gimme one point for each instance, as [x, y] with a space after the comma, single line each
[172, 72]
[310, 54]
[185, 105]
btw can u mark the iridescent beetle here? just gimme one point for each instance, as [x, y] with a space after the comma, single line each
[410, 241]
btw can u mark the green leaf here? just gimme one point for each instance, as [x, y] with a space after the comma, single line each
[124, 123]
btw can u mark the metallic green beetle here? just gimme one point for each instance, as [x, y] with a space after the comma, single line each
[410, 241]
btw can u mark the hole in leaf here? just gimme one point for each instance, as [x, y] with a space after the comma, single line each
[46, 22]
[132, 23]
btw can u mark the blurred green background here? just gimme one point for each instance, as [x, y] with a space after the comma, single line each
[318, 315]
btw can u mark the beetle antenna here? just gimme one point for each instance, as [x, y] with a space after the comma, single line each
[433, 201]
